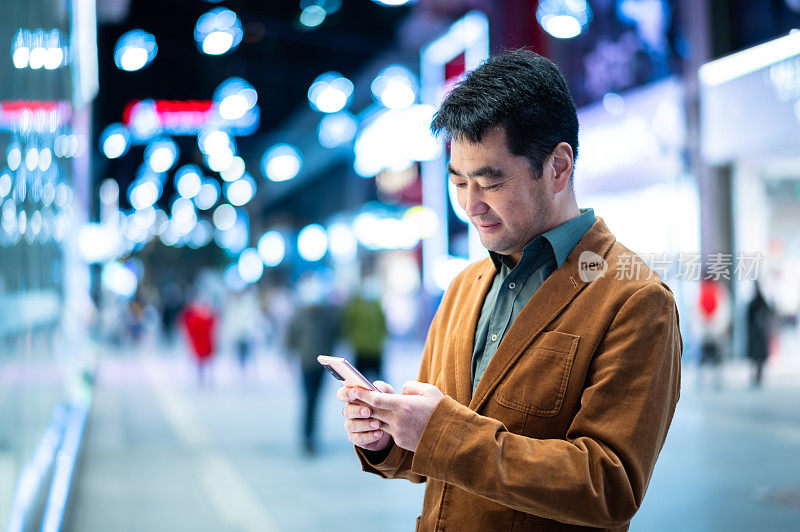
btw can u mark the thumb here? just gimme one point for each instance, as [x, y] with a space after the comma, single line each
[416, 388]
[384, 387]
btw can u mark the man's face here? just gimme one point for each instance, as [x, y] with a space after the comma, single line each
[498, 192]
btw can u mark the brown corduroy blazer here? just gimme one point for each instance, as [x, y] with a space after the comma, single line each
[566, 424]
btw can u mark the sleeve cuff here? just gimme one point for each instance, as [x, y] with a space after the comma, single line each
[387, 465]
[440, 439]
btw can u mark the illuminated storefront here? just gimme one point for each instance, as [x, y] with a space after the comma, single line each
[50, 80]
[750, 104]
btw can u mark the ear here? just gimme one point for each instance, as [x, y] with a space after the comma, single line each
[562, 161]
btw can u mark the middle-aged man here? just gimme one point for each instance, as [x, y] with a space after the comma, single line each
[548, 381]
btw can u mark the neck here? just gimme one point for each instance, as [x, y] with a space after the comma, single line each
[560, 214]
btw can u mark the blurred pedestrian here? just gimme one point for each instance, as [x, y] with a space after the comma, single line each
[365, 329]
[199, 320]
[171, 303]
[713, 308]
[759, 326]
[242, 319]
[313, 330]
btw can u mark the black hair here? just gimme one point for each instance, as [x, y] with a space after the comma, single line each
[521, 92]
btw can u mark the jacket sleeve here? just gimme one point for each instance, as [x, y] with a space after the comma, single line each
[598, 475]
[394, 461]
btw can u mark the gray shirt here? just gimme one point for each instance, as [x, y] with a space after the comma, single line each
[513, 287]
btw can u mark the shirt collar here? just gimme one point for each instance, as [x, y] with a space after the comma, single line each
[561, 240]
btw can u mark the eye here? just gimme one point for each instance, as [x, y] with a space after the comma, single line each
[490, 187]
[460, 185]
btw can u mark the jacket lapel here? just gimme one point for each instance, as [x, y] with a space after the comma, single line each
[558, 290]
[464, 343]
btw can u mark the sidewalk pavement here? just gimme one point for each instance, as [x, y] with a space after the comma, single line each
[161, 453]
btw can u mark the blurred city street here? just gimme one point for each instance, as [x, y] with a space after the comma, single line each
[587, 208]
[163, 454]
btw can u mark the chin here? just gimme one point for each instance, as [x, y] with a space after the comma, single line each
[495, 247]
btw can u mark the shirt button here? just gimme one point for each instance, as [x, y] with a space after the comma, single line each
[512, 286]
[494, 338]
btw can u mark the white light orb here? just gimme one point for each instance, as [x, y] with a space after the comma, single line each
[337, 129]
[20, 57]
[115, 141]
[45, 159]
[37, 57]
[145, 122]
[250, 266]
[54, 59]
[313, 16]
[224, 217]
[235, 97]
[330, 92]
[281, 162]
[234, 171]
[240, 191]
[312, 242]
[221, 160]
[394, 139]
[144, 194]
[188, 181]
[208, 195]
[213, 140]
[342, 243]
[563, 19]
[5, 184]
[218, 31]
[96, 242]
[32, 159]
[161, 155]
[395, 87]
[119, 280]
[135, 50]
[14, 157]
[271, 248]
[393, 3]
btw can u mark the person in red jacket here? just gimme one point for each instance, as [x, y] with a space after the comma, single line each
[199, 320]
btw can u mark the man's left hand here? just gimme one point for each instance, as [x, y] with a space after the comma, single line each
[403, 416]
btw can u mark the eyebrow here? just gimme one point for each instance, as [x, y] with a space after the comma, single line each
[483, 171]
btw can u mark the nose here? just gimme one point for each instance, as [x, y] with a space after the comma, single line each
[473, 201]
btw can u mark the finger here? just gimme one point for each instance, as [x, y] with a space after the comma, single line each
[384, 401]
[341, 393]
[384, 387]
[416, 388]
[364, 438]
[351, 411]
[386, 417]
[361, 425]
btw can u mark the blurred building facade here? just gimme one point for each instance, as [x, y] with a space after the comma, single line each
[49, 82]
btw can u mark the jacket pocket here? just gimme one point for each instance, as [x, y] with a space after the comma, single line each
[537, 383]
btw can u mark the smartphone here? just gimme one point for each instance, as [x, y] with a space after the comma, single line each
[343, 371]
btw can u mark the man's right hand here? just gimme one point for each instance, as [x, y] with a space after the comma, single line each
[363, 430]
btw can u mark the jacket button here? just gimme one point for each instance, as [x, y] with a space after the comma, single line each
[512, 286]
[494, 338]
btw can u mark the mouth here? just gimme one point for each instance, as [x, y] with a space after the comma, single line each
[486, 228]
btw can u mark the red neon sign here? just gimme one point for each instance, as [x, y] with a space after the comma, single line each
[182, 115]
